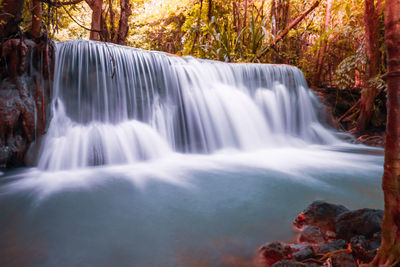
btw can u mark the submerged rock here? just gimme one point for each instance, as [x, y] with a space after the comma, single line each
[364, 222]
[320, 214]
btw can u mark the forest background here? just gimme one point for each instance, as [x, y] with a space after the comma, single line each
[338, 44]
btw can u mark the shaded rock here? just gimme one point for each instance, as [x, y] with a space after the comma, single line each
[25, 81]
[332, 246]
[343, 260]
[289, 263]
[364, 222]
[375, 241]
[312, 234]
[274, 252]
[298, 247]
[320, 214]
[303, 254]
[360, 249]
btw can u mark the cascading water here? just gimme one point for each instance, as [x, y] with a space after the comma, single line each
[117, 105]
[163, 199]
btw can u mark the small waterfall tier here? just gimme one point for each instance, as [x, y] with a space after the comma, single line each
[119, 105]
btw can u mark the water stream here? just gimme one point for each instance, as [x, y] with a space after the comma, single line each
[156, 160]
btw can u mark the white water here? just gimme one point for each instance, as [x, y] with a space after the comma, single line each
[119, 105]
[194, 161]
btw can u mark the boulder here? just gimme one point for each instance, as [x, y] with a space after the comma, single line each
[343, 260]
[361, 250]
[366, 222]
[303, 254]
[274, 252]
[312, 234]
[332, 246]
[289, 263]
[375, 241]
[320, 214]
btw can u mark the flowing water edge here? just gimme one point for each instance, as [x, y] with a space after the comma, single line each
[154, 160]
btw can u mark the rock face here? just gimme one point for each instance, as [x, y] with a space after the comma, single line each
[366, 222]
[25, 80]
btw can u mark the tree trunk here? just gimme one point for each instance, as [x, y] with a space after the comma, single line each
[96, 6]
[36, 18]
[10, 17]
[209, 15]
[370, 92]
[274, 30]
[111, 21]
[389, 252]
[324, 44]
[123, 22]
[295, 22]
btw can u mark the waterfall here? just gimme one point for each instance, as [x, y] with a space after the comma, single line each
[118, 105]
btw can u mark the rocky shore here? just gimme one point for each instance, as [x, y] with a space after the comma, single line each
[329, 235]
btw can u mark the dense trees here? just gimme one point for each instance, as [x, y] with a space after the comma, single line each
[336, 44]
[273, 31]
[10, 17]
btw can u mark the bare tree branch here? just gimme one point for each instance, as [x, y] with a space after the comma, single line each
[291, 26]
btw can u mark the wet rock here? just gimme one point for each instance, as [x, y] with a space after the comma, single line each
[289, 263]
[364, 222]
[303, 254]
[312, 234]
[320, 214]
[274, 252]
[360, 249]
[343, 260]
[24, 94]
[332, 246]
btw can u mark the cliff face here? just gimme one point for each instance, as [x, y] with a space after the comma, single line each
[25, 80]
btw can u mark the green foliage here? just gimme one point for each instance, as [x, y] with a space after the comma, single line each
[346, 71]
[236, 31]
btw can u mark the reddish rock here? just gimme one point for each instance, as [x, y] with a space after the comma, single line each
[274, 252]
[24, 93]
[320, 214]
[343, 260]
[361, 250]
[312, 234]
